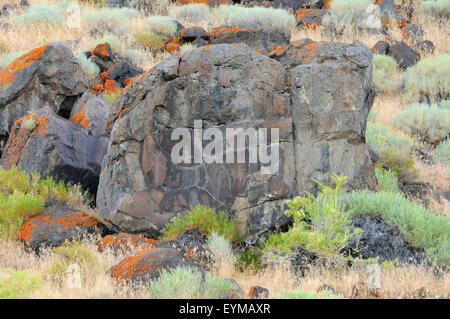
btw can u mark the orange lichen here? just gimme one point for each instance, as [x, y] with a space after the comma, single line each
[137, 265]
[101, 50]
[220, 31]
[126, 240]
[173, 45]
[8, 74]
[81, 118]
[207, 47]
[251, 291]
[79, 219]
[19, 136]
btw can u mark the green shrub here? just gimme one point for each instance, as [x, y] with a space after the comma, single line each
[19, 284]
[428, 80]
[383, 73]
[422, 228]
[191, 12]
[393, 148]
[149, 41]
[187, 283]
[95, 2]
[206, 220]
[9, 58]
[320, 222]
[40, 13]
[387, 180]
[114, 20]
[436, 8]
[112, 40]
[161, 25]
[90, 68]
[304, 294]
[23, 196]
[256, 17]
[110, 97]
[15, 210]
[249, 259]
[442, 152]
[431, 122]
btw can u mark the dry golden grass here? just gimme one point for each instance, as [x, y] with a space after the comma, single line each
[396, 283]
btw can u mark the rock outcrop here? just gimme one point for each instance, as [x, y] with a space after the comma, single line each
[317, 95]
[71, 151]
[56, 225]
[46, 76]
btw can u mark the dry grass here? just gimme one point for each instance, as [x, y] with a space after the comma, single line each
[396, 283]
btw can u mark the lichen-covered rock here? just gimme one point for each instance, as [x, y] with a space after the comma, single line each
[50, 145]
[403, 54]
[326, 99]
[310, 17]
[49, 75]
[147, 264]
[55, 225]
[257, 39]
[125, 242]
[91, 112]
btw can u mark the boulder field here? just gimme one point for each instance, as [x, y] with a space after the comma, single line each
[310, 99]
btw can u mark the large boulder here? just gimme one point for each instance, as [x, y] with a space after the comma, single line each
[403, 54]
[318, 105]
[257, 39]
[50, 145]
[146, 265]
[47, 76]
[56, 225]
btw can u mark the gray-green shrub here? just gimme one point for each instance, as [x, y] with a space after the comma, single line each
[428, 80]
[435, 8]
[90, 68]
[190, 12]
[188, 283]
[442, 152]
[256, 17]
[427, 121]
[114, 20]
[393, 148]
[384, 68]
[387, 180]
[161, 24]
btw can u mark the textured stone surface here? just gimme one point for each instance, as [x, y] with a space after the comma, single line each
[147, 264]
[318, 103]
[257, 39]
[55, 225]
[47, 76]
[50, 145]
[403, 54]
[381, 240]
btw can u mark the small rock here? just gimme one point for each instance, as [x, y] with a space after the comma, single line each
[257, 292]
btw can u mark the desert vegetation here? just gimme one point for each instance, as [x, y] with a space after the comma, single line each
[89, 94]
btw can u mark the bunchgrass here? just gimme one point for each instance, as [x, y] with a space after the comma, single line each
[206, 220]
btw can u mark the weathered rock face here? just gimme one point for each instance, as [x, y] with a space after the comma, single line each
[147, 264]
[50, 75]
[55, 225]
[257, 39]
[319, 107]
[48, 144]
